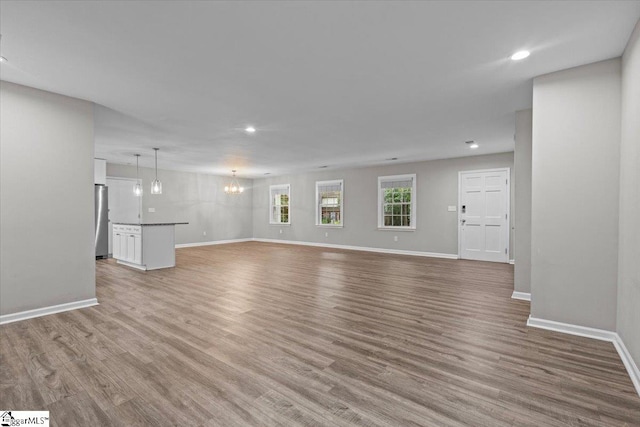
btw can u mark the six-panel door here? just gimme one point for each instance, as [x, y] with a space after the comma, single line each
[484, 223]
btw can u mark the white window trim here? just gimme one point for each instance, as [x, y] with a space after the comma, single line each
[318, 222]
[381, 225]
[279, 187]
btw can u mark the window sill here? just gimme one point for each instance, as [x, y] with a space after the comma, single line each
[396, 229]
[330, 225]
[286, 224]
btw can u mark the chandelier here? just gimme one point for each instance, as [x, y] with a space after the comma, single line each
[234, 186]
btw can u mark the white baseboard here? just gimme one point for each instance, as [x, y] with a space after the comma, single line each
[567, 328]
[629, 363]
[525, 296]
[598, 334]
[322, 245]
[212, 242]
[361, 248]
[132, 265]
[30, 314]
[512, 261]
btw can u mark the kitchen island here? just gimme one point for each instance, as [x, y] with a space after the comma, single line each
[146, 245]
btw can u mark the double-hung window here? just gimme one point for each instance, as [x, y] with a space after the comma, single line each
[397, 202]
[329, 203]
[279, 206]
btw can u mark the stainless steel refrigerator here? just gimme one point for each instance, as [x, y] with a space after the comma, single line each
[101, 193]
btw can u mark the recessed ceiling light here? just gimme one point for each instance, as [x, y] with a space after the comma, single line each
[472, 144]
[250, 129]
[520, 55]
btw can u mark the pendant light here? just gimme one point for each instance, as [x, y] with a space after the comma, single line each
[2, 58]
[156, 185]
[234, 186]
[137, 189]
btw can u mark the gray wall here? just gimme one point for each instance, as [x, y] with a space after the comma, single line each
[437, 188]
[198, 199]
[522, 209]
[629, 245]
[46, 199]
[575, 180]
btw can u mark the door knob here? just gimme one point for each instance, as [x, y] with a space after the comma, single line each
[462, 221]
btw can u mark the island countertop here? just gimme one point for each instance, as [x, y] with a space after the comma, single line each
[150, 223]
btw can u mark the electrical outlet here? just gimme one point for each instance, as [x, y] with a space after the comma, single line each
[326, 234]
[152, 209]
[395, 238]
[281, 231]
[204, 233]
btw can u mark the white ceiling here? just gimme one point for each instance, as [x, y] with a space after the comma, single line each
[324, 83]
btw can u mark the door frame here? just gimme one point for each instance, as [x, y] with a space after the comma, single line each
[133, 181]
[110, 225]
[459, 225]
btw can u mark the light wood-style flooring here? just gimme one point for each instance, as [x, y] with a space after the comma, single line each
[261, 334]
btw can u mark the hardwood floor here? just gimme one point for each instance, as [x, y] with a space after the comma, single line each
[264, 334]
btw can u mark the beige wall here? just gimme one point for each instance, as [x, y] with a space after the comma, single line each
[522, 194]
[198, 199]
[46, 199]
[629, 245]
[437, 188]
[575, 180]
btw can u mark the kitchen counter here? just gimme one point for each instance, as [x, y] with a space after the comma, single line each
[145, 245]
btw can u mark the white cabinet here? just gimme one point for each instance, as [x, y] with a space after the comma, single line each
[100, 171]
[145, 246]
[116, 242]
[134, 248]
[124, 248]
[131, 247]
[127, 243]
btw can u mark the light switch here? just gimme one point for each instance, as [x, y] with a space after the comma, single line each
[152, 209]
[452, 209]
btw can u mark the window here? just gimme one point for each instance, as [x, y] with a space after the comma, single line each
[397, 201]
[329, 203]
[279, 204]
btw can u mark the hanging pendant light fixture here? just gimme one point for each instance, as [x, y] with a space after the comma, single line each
[156, 185]
[137, 189]
[2, 58]
[234, 186]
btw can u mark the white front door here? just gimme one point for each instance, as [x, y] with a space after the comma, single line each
[484, 215]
